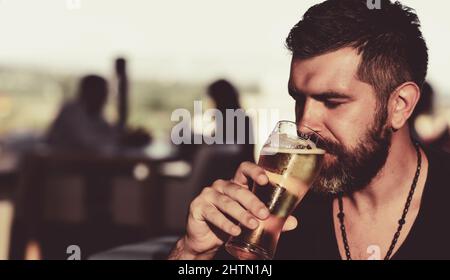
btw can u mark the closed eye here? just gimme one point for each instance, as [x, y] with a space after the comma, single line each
[330, 99]
[331, 104]
[300, 99]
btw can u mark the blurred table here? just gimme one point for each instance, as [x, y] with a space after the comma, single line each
[90, 192]
[26, 163]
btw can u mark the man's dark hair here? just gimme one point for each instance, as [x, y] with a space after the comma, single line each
[389, 40]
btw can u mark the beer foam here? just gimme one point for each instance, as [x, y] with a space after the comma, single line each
[289, 142]
[274, 150]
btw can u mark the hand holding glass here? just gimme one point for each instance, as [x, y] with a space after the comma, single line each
[292, 158]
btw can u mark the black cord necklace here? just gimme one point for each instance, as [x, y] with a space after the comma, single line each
[401, 222]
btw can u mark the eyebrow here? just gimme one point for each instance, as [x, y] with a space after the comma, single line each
[320, 96]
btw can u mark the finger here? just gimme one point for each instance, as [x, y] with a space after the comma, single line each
[219, 184]
[215, 217]
[250, 170]
[236, 211]
[290, 224]
[246, 198]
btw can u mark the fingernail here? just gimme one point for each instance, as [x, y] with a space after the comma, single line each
[253, 223]
[262, 179]
[263, 213]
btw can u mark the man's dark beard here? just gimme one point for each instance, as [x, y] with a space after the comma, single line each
[354, 169]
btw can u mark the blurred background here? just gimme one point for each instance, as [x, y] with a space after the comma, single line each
[125, 182]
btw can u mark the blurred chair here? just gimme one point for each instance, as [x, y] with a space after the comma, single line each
[210, 163]
[95, 202]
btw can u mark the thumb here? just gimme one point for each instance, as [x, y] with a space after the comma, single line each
[290, 224]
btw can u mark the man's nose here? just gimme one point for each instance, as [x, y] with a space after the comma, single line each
[309, 117]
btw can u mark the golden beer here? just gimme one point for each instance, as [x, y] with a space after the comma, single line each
[291, 172]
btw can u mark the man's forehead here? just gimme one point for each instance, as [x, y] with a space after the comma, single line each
[333, 71]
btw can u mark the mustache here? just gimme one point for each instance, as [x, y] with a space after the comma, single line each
[331, 147]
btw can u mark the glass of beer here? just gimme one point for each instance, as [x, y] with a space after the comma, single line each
[292, 157]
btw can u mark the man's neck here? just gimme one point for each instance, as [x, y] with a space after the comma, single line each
[393, 183]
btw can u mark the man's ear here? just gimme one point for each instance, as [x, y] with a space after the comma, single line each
[402, 103]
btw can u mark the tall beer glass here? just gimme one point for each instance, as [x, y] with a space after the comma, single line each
[292, 158]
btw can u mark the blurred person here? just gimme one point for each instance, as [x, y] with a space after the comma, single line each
[426, 126]
[355, 75]
[81, 124]
[216, 147]
[225, 96]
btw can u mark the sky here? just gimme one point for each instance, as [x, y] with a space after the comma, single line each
[180, 40]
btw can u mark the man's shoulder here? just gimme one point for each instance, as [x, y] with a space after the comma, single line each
[439, 164]
[437, 188]
[435, 206]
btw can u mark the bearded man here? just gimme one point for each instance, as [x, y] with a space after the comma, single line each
[356, 76]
